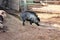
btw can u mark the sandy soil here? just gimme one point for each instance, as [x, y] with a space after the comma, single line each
[28, 32]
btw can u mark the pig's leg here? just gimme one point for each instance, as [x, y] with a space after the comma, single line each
[23, 22]
[4, 28]
[31, 22]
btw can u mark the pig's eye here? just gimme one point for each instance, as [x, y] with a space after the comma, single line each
[2, 13]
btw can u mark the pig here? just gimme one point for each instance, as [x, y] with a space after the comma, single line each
[2, 17]
[2, 27]
[30, 16]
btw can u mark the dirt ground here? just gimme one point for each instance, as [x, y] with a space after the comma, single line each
[16, 31]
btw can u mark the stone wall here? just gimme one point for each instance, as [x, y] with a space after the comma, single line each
[0, 2]
[14, 4]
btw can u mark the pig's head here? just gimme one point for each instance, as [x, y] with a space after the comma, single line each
[3, 13]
